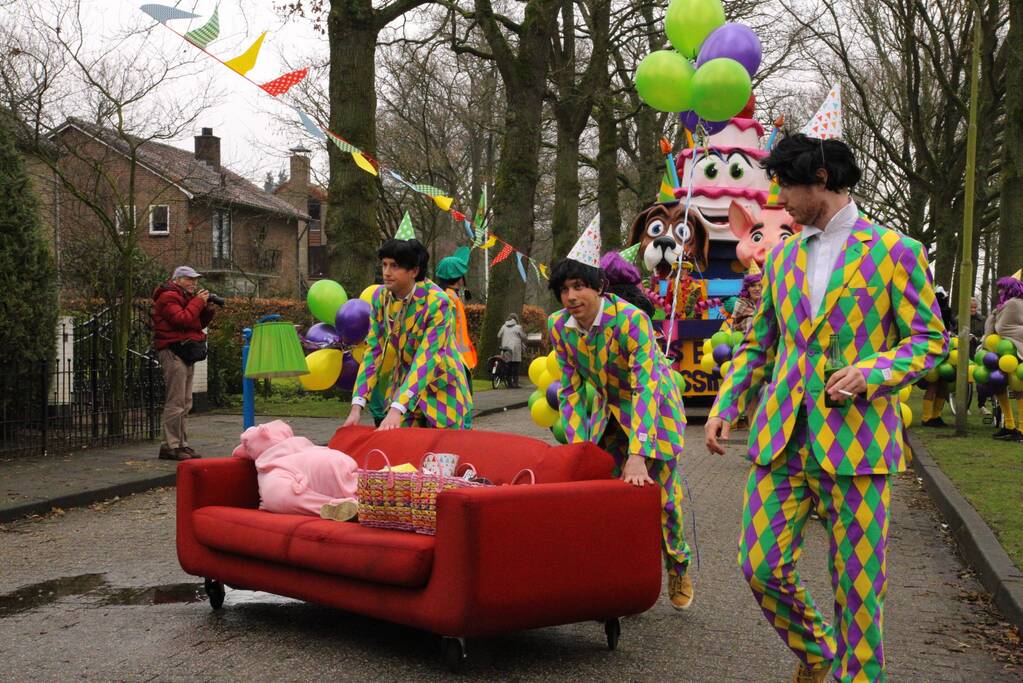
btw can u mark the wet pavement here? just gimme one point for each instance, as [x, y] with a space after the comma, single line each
[96, 594]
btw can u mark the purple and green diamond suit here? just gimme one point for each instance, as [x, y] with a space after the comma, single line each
[880, 304]
[427, 380]
[638, 406]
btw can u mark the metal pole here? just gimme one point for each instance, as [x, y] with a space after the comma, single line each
[248, 385]
[44, 387]
[966, 272]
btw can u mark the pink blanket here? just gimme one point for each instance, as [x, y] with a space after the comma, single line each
[295, 475]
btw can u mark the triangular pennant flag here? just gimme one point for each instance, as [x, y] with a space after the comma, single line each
[543, 271]
[491, 241]
[587, 247]
[468, 228]
[505, 252]
[827, 122]
[536, 271]
[310, 125]
[165, 13]
[427, 189]
[341, 144]
[443, 202]
[405, 231]
[283, 84]
[364, 163]
[244, 62]
[518, 262]
[207, 33]
[630, 253]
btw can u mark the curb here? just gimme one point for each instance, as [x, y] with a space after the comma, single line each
[978, 544]
[500, 409]
[83, 498]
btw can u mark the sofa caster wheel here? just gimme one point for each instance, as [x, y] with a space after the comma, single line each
[613, 629]
[454, 653]
[215, 592]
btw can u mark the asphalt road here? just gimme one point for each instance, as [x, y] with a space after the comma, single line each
[96, 594]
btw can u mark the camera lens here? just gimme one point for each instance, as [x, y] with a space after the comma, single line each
[217, 299]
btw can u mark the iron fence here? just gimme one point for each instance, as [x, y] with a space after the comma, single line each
[75, 401]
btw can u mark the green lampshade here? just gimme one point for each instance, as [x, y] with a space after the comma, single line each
[275, 351]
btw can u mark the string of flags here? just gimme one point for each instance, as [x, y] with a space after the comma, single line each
[477, 230]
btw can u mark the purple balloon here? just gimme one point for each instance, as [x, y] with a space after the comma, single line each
[322, 335]
[732, 41]
[690, 119]
[991, 360]
[349, 373]
[352, 321]
[722, 353]
[552, 394]
[998, 379]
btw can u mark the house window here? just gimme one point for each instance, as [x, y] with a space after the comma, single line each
[315, 230]
[159, 220]
[124, 218]
[221, 238]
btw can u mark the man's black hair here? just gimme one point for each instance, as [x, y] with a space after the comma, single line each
[567, 269]
[796, 159]
[408, 254]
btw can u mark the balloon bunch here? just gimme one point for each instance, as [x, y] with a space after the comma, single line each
[719, 84]
[337, 342]
[718, 351]
[996, 365]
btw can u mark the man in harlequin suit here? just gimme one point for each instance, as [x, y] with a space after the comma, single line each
[867, 289]
[637, 417]
[412, 340]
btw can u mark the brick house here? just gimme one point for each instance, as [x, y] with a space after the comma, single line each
[187, 209]
[304, 195]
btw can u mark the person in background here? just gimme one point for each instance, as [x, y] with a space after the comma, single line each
[624, 280]
[1006, 320]
[976, 334]
[450, 276]
[748, 301]
[511, 337]
[936, 392]
[181, 312]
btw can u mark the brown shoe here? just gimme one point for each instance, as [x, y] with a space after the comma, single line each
[805, 674]
[340, 512]
[680, 590]
[190, 452]
[167, 453]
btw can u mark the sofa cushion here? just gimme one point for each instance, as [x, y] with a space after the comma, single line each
[347, 549]
[498, 456]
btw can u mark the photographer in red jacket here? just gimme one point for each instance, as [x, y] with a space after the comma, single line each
[180, 313]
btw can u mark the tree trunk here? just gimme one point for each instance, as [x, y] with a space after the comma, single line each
[565, 213]
[607, 174]
[352, 233]
[1010, 228]
[651, 163]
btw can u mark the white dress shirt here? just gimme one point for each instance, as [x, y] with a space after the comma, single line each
[823, 248]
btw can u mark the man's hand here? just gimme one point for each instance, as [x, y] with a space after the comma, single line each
[635, 471]
[845, 384]
[715, 433]
[354, 415]
[392, 421]
[203, 294]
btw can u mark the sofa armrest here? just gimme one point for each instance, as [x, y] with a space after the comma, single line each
[217, 481]
[525, 556]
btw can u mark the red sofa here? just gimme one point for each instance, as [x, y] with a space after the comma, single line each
[575, 546]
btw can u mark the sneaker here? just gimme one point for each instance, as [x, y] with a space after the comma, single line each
[191, 453]
[934, 422]
[1003, 434]
[1016, 436]
[340, 512]
[680, 590]
[984, 410]
[173, 454]
[805, 674]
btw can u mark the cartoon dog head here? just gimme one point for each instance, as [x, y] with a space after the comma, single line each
[665, 237]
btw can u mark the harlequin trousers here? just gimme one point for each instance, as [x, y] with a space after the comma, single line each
[855, 511]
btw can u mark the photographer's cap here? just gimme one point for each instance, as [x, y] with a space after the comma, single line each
[184, 271]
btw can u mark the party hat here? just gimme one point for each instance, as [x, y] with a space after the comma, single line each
[772, 194]
[827, 122]
[753, 269]
[1018, 274]
[405, 231]
[630, 253]
[275, 351]
[587, 247]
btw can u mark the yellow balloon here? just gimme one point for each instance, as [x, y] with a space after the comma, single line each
[991, 342]
[543, 414]
[905, 393]
[545, 380]
[324, 369]
[358, 352]
[553, 366]
[907, 415]
[953, 342]
[1008, 364]
[708, 348]
[390, 358]
[536, 369]
[367, 294]
[932, 375]
[953, 357]
[707, 363]
[1015, 383]
[969, 375]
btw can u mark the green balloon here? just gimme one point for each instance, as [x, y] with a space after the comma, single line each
[720, 89]
[324, 298]
[1019, 371]
[981, 374]
[679, 380]
[534, 397]
[947, 372]
[558, 430]
[689, 22]
[736, 338]
[663, 80]
[1005, 348]
[719, 338]
[978, 358]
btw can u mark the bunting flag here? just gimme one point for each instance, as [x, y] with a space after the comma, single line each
[536, 271]
[164, 13]
[443, 202]
[491, 241]
[244, 62]
[310, 125]
[283, 84]
[364, 163]
[522, 268]
[505, 252]
[827, 122]
[468, 229]
[342, 145]
[208, 32]
[543, 271]
[427, 189]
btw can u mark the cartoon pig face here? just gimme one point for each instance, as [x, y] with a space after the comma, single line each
[758, 236]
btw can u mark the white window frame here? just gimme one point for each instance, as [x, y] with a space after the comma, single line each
[230, 235]
[118, 212]
[159, 233]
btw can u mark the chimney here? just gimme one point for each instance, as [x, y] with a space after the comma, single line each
[207, 148]
[299, 179]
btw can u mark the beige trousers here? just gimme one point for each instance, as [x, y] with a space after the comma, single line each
[177, 402]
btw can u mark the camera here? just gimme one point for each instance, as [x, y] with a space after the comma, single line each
[217, 299]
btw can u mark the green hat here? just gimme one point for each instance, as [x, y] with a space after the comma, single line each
[455, 266]
[405, 231]
[630, 253]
